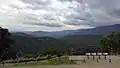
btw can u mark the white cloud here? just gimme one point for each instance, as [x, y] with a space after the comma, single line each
[54, 15]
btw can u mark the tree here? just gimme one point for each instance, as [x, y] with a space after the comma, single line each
[111, 41]
[5, 42]
[50, 51]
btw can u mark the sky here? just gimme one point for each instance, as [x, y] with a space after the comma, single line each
[57, 15]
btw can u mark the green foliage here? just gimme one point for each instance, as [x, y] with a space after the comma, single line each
[81, 40]
[50, 51]
[53, 61]
[5, 42]
[111, 41]
[28, 56]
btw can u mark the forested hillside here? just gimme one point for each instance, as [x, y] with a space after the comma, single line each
[79, 40]
[32, 44]
[38, 44]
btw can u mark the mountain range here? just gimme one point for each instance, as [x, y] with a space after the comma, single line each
[102, 30]
[38, 41]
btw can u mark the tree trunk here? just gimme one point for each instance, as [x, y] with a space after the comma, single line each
[2, 56]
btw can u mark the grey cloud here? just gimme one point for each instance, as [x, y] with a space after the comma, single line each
[101, 12]
[32, 19]
[40, 2]
[106, 5]
[109, 15]
[76, 22]
[47, 24]
[99, 3]
[115, 13]
[85, 12]
[109, 4]
[78, 17]
[81, 16]
[37, 4]
[14, 6]
[37, 22]
[49, 17]
[72, 0]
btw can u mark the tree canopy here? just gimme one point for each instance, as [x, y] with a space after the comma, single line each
[5, 42]
[111, 42]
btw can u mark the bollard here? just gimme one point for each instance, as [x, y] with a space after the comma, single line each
[93, 57]
[87, 54]
[105, 57]
[25, 62]
[93, 54]
[105, 54]
[87, 57]
[84, 61]
[37, 60]
[110, 60]
[99, 56]
[97, 61]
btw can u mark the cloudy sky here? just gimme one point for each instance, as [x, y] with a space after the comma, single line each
[56, 15]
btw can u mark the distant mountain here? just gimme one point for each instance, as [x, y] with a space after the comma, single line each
[102, 30]
[38, 41]
[20, 34]
[56, 34]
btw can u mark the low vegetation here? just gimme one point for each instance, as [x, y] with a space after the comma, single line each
[52, 61]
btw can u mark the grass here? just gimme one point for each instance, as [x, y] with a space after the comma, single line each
[53, 61]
